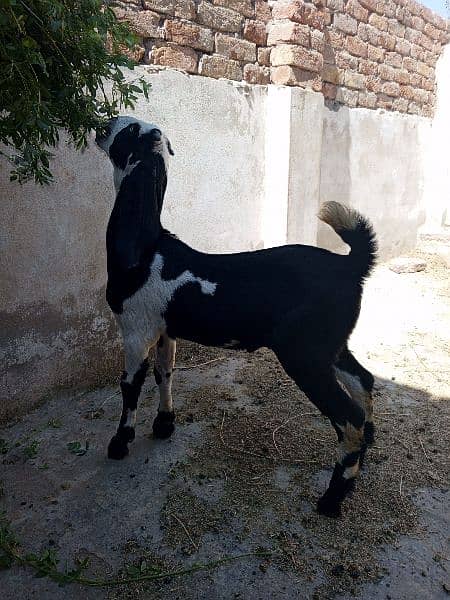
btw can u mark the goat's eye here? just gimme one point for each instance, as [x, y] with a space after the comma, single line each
[133, 127]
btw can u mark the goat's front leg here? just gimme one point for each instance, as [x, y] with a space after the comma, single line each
[136, 367]
[163, 425]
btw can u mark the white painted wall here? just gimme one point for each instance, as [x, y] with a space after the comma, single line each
[373, 160]
[250, 167]
[436, 200]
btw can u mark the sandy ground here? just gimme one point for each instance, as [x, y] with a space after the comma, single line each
[248, 460]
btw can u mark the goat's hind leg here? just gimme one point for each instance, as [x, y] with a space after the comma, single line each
[163, 425]
[319, 383]
[136, 367]
[359, 383]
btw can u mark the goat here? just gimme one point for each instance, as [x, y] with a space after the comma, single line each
[300, 301]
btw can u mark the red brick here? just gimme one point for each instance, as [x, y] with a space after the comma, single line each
[345, 61]
[400, 104]
[413, 36]
[431, 32]
[189, 34]
[217, 17]
[288, 75]
[243, 7]
[296, 56]
[262, 11]
[368, 33]
[389, 7]
[235, 48]
[335, 5]
[375, 53]
[356, 46]
[393, 59]
[417, 52]
[418, 23]
[378, 21]
[313, 17]
[386, 72]
[369, 4]
[413, 108]
[345, 23]
[161, 6]
[185, 9]
[264, 56]
[347, 97]
[175, 56]
[143, 23]
[220, 67]
[256, 74]
[401, 76]
[396, 28]
[367, 99]
[289, 10]
[406, 91]
[384, 101]
[255, 31]
[337, 39]
[387, 41]
[391, 88]
[403, 47]
[368, 67]
[373, 84]
[286, 31]
[354, 9]
[354, 80]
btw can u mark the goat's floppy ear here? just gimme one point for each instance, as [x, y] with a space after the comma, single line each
[169, 148]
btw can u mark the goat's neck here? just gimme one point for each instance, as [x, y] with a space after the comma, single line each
[134, 226]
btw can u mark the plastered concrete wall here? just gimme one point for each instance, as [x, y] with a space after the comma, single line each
[374, 161]
[251, 165]
[55, 326]
[436, 199]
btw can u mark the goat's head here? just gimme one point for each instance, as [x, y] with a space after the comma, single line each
[127, 140]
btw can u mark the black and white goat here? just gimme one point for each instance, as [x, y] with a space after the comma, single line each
[300, 301]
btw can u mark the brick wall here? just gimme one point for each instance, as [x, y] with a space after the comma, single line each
[368, 53]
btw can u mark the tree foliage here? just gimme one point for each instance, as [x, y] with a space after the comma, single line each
[55, 57]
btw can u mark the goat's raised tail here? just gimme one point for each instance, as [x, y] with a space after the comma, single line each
[356, 231]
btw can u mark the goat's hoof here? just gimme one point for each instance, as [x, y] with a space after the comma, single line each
[117, 448]
[369, 433]
[329, 507]
[163, 425]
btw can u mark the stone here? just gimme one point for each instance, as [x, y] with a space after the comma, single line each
[220, 18]
[177, 57]
[235, 48]
[256, 74]
[255, 31]
[220, 67]
[407, 265]
[189, 34]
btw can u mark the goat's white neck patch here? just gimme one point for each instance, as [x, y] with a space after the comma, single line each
[145, 309]
[120, 174]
